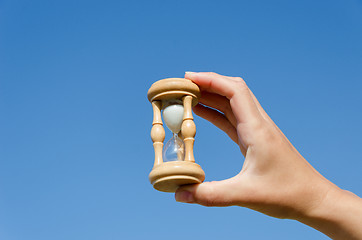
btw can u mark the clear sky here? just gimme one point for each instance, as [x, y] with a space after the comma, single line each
[75, 147]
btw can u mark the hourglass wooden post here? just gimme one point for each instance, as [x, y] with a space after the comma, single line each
[188, 129]
[168, 176]
[157, 132]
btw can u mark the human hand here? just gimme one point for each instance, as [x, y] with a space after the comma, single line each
[275, 179]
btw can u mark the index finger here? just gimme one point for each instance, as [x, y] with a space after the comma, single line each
[235, 90]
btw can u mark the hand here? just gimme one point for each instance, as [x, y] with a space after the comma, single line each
[275, 179]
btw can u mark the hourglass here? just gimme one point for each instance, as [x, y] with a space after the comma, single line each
[174, 164]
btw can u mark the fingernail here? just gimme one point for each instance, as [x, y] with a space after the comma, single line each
[184, 196]
[189, 72]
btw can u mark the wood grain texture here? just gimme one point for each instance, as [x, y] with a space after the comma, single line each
[168, 176]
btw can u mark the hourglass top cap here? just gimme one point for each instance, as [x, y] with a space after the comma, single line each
[173, 88]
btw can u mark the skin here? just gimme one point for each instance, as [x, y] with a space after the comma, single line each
[275, 179]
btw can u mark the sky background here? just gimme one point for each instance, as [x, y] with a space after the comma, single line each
[75, 147]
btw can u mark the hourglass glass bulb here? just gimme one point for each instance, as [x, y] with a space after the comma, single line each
[173, 116]
[174, 149]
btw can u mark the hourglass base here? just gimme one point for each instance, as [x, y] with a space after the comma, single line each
[168, 176]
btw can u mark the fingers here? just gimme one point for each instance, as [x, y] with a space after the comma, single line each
[221, 193]
[260, 108]
[220, 103]
[235, 90]
[212, 82]
[218, 119]
[267, 118]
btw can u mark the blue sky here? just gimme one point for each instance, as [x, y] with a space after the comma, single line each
[75, 150]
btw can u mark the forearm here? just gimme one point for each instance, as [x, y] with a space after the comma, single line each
[339, 216]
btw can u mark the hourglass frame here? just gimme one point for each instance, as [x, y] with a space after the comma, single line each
[168, 176]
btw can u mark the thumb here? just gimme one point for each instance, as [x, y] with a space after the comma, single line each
[220, 193]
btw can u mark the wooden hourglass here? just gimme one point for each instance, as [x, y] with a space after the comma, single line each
[175, 164]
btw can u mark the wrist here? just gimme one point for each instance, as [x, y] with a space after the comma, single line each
[339, 215]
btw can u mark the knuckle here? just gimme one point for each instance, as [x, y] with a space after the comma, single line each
[212, 73]
[207, 195]
[265, 134]
[241, 83]
[239, 79]
[258, 125]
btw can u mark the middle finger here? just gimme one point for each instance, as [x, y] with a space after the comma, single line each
[220, 103]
